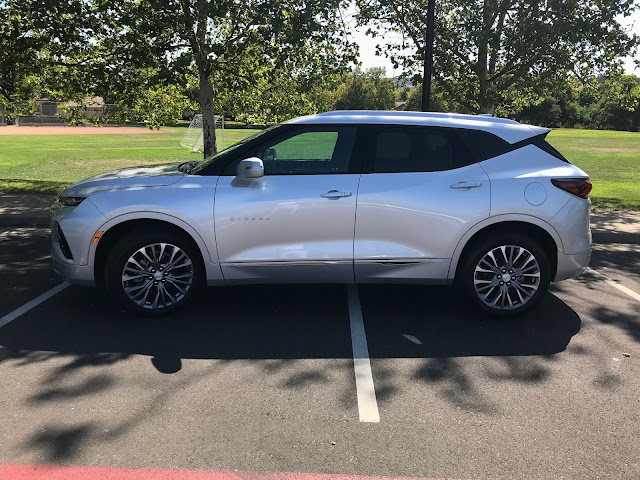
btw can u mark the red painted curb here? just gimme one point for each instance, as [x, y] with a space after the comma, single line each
[19, 471]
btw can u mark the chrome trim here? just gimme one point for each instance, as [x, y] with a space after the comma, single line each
[277, 263]
[365, 261]
[392, 261]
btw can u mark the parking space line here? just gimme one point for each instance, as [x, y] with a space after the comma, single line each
[622, 288]
[365, 390]
[33, 303]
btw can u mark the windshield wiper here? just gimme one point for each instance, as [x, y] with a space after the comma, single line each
[186, 167]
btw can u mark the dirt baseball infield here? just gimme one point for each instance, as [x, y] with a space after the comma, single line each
[88, 130]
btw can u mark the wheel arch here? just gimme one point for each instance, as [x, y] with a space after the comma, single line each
[114, 228]
[539, 229]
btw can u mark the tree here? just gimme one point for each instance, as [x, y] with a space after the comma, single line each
[230, 45]
[486, 51]
[37, 37]
[439, 102]
[368, 90]
[128, 51]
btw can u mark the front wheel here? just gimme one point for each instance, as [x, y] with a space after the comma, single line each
[506, 277]
[153, 272]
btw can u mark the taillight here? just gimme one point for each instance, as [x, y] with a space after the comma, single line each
[580, 187]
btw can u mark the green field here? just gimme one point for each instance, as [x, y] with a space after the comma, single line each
[46, 163]
[612, 160]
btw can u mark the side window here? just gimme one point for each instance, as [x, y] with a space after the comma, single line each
[484, 145]
[411, 149]
[309, 151]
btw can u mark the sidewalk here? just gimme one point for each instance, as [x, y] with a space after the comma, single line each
[33, 210]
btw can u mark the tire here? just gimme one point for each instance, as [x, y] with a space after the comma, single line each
[164, 271]
[509, 294]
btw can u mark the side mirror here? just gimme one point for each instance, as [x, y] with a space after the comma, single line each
[250, 168]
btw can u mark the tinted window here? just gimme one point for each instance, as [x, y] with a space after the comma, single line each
[411, 149]
[484, 145]
[306, 151]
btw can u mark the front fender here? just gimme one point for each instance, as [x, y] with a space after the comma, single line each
[206, 245]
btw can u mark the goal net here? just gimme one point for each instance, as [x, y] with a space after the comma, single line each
[192, 138]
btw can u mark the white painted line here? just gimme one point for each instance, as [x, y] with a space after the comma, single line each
[622, 288]
[367, 403]
[10, 317]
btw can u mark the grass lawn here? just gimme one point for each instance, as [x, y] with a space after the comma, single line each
[47, 163]
[612, 160]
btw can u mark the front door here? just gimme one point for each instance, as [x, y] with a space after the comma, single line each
[295, 224]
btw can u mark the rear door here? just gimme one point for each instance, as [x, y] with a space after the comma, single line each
[419, 193]
[295, 224]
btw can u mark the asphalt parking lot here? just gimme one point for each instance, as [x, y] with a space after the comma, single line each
[262, 378]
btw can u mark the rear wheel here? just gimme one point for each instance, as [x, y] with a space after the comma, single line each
[507, 276]
[154, 272]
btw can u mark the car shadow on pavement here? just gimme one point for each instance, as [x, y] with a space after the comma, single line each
[419, 322]
[290, 322]
[70, 335]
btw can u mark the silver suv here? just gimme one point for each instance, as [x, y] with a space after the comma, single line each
[340, 197]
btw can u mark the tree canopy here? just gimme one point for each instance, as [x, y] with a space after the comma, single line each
[488, 50]
[233, 48]
[368, 90]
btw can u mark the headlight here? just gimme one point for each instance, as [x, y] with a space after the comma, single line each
[71, 201]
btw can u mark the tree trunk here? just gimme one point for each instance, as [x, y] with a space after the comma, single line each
[208, 118]
[487, 88]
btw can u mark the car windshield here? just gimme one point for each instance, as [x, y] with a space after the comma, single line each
[208, 161]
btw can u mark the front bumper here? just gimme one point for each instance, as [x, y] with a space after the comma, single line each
[72, 230]
[66, 268]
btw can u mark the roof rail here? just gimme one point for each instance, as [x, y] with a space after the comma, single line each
[394, 113]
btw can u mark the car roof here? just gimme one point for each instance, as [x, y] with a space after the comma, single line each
[509, 130]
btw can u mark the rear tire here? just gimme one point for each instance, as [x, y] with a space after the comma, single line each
[153, 272]
[505, 277]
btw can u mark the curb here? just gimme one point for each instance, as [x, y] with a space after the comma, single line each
[602, 237]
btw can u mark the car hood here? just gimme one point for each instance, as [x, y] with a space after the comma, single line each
[126, 178]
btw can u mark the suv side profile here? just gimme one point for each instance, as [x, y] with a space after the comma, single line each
[339, 197]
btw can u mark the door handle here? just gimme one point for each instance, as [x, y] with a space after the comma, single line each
[335, 194]
[465, 185]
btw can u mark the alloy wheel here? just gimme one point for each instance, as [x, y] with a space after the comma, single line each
[157, 276]
[507, 277]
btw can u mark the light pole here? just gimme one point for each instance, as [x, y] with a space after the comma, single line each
[428, 57]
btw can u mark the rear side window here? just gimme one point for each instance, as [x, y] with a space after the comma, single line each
[485, 145]
[411, 149]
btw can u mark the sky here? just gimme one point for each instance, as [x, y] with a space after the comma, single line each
[369, 59]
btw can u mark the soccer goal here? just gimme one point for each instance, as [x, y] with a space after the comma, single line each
[192, 138]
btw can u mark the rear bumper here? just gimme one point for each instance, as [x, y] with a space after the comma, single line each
[570, 266]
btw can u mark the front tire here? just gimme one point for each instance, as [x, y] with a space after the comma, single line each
[154, 272]
[505, 277]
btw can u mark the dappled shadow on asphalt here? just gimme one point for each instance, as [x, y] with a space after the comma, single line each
[78, 332]
[620, 258]
[25, 266]
[609, 313]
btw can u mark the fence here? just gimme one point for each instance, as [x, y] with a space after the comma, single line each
[49, 113]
